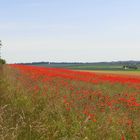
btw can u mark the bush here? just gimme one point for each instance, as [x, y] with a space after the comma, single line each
[2, 61]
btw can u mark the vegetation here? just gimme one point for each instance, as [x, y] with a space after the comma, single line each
[2, 61]
[114, 66]
[58, 104]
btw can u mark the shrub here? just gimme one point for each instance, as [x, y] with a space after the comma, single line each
[2, 61]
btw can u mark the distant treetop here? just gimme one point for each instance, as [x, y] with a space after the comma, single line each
[2, 61]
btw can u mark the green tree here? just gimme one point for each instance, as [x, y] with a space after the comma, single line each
[2, 61]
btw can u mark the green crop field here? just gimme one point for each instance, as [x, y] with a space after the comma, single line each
[105, 67]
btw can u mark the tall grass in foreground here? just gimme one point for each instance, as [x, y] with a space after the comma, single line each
[56, 108]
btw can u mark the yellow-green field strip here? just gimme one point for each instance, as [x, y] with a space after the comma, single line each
[131, 73]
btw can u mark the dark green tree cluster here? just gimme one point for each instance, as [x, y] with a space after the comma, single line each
[2, 61]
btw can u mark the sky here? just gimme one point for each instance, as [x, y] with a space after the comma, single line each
[70, 30]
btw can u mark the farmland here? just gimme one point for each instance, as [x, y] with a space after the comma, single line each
[122, 72]
[57, 103]
[105, 66]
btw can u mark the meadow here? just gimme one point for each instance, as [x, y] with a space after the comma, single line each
[40, 103]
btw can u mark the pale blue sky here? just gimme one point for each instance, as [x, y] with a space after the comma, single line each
[70, 30]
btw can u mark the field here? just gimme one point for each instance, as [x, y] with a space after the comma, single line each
[86, 66]
[122, 72]
[40, 103]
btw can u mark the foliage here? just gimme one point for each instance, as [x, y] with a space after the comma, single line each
[2, 61]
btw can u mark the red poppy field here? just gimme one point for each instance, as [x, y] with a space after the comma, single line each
[53, 103]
